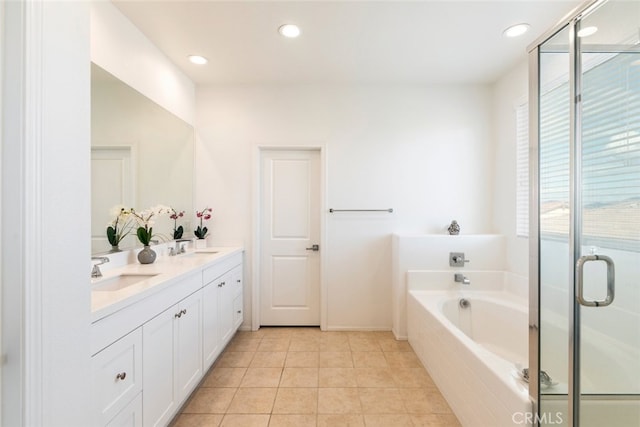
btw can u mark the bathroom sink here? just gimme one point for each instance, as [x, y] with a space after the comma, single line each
[119, 282]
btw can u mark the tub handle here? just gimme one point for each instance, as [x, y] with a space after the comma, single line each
[611, 282]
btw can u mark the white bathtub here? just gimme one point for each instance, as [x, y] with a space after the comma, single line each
[471, 352]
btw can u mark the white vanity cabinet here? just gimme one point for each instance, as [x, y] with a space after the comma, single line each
[151, 350]
[172, 359]
[220, 320]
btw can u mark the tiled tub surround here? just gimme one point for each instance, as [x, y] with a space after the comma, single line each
[471, 352]
[304, 377]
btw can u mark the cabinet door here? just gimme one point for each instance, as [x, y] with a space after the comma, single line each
[188, 336]
[158, 375]
[225, 308]
[237, 312]
[130, 416]
[210, 341]
[117, 375]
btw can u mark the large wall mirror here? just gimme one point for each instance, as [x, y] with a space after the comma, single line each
[141, 156]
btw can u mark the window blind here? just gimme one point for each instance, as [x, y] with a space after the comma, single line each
[522, 170]
[610, 153]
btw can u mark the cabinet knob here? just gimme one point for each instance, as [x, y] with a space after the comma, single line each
[224, 283]
[220, 285]
[184, 311]
[178, 315]
[121, 376]
[238, 280]
[239, 311]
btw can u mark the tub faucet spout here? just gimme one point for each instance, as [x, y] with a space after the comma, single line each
[459, 277]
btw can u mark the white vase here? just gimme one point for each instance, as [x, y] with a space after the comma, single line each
[201, 243]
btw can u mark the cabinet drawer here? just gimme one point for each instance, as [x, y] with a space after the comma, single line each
[211, 273]
[117, 376]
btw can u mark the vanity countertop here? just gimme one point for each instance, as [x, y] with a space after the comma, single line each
[165, 271]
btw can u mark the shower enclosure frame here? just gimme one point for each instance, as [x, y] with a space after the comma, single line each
[572, 22]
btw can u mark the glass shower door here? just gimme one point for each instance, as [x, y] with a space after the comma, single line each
[607, 217]
[588, 220]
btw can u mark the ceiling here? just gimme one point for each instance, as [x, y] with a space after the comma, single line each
[344, 41]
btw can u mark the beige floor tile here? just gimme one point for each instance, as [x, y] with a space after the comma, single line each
[403, 359]
[249, 334]
[304, 344]
[209, 400]
[269, 359]
[336, 359]
[198, 420]
[374, 377]
[274, 344]
[364, 344]
[391, 344]
[235, 359]
[337, 377]
[369, 359]
[244, 344]
[335, 345]
[340, 420]
[291, 420]
[224, 377]
[435, 420]
[424, 401]
[383, 335]
[277, 332]
[306, 333]
[296, 401]
[387, 420]
[381, 401]
[338, 401]
[412, 378]
[302, 359]
[299, 377]
[245, 420]
[253, 401]
[367, 335]
[261, 377]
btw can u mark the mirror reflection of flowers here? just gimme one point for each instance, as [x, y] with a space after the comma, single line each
[146, 219]
[203, 215]
[177, 230]
[120, 227]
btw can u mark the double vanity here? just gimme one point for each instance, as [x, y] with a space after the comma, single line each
[157, 328]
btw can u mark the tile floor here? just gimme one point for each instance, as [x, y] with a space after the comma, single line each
[304, 377]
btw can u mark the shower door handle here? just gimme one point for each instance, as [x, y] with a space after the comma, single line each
[611, 280]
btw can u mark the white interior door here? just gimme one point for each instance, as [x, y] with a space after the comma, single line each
[290, 227]
[112, 183]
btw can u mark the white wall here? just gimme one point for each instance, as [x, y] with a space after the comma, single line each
[507, 92]
[123, 50]
[45, 191]
[424, 151]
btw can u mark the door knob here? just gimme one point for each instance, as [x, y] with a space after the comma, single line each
[314, 248]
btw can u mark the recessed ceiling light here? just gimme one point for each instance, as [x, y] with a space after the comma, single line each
[197, 59]
[289, 30]
[516, 30]
[587, 31]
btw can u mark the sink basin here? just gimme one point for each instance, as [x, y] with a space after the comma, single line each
[122, 281]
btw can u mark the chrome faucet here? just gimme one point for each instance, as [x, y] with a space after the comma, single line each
[179, 248]
[461, 278]
[95, 271]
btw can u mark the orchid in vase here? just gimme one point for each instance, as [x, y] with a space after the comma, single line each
[120, 227]
[203, 215]
[146, 220]
[177, 230]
